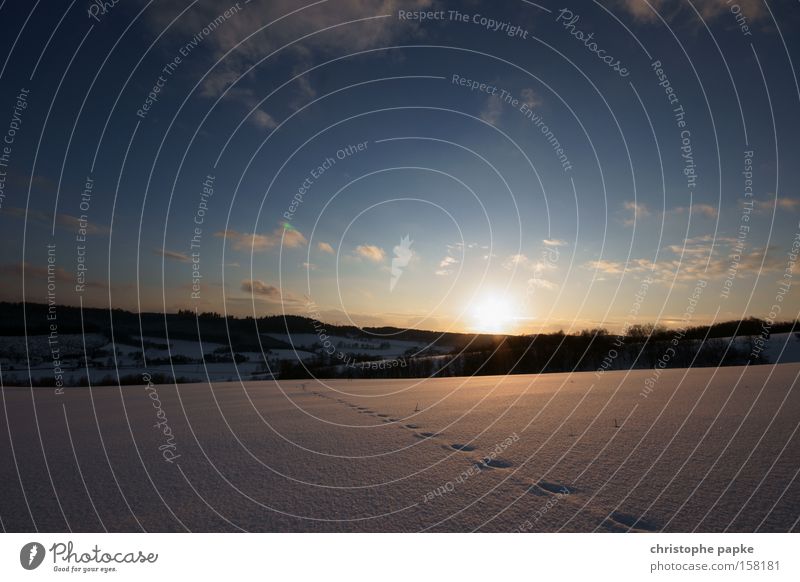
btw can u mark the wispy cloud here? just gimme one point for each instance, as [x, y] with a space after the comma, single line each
[518, 260]
[291, 22]
[700, 257]
[539, 283]
[646, 10]
[638, 211]
[521, 261]
[15, 271]
[530, 98]
[64, 221]
[371, 253]
[263, 119]
[787, 204]
[267, 292]
[554, 242]
[174, 255]
[446, 266]
[752, 9]
[492, 110]
[325, 248]
[705, 210]
[245, 241]
[606, 266]
[641, 10]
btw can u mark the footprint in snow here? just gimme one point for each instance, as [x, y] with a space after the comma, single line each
[630, 521]
[495, 463]
[536, 490]
[462, 447]
[556, 488]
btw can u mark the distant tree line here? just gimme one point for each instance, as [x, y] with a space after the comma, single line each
[641, 346]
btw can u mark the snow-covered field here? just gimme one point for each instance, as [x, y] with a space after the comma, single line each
[706, 450]
[72, 353]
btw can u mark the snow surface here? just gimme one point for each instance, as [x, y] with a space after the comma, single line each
[706, 450]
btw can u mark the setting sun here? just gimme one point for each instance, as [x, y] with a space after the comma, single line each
[494, 314]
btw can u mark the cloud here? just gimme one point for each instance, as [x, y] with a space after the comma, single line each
[38, 272]
[371, 253]
[524, 262]
[244, 241]
[325, 248]
[513, 261]
[446, 266]
[32, 216]
[291, 238]
[530, 98]
[641, 10]
[21, 182]
[73, 223]
[263, 119]
[787, 204]
[698, 259]
[215, 83]
[708, 9]
[752, 9]
[493, 110]
[291, 22]
[538, 283]
[554, 242]
[702, 209]
[267, 292]
[304, 91]
[175, 255]
[15, 270]
[65, 221]
[606, 266]
[259, 287]
[309, 266]
[638, 211]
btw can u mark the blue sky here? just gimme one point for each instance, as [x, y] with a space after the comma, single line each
[500, 229]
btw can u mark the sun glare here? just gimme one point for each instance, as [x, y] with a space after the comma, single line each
[493, 315]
